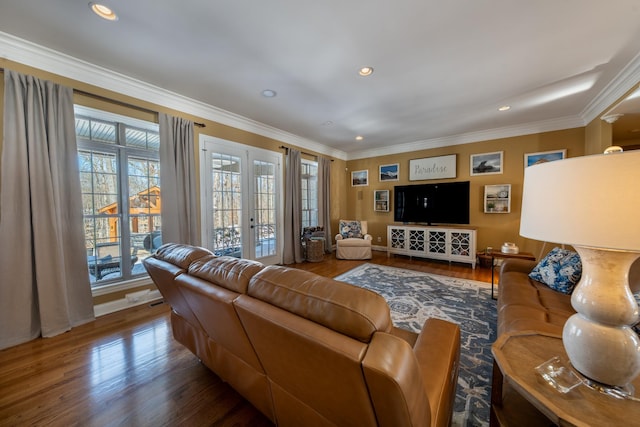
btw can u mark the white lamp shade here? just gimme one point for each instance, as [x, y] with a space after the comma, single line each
[588, 201]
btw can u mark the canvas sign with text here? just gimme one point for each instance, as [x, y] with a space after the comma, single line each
[432, 168]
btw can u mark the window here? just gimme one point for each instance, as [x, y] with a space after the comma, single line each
[120, 180]
[309, 193]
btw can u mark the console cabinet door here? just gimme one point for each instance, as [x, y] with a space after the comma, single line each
[397, 239]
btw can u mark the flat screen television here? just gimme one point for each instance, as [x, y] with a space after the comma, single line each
[443, 203]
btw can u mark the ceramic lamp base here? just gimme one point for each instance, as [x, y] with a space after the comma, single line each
[598, 339]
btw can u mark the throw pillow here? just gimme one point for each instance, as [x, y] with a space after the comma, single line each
[561, 270]
[350, 229]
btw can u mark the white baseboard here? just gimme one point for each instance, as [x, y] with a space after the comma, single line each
[132, 300]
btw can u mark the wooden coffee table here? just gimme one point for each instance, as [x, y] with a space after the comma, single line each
[527, 400]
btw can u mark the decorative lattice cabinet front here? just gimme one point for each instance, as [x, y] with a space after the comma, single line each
[436, 242]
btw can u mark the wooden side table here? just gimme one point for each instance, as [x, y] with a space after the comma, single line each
[527, 399]
[498, 254]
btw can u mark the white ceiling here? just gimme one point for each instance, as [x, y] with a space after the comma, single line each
[442, 68]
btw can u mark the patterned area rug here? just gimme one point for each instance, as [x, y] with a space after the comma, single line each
[415, 296]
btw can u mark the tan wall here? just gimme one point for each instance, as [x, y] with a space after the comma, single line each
[598, 136]
[493, 229]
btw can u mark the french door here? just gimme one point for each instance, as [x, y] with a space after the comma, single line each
[241, 200]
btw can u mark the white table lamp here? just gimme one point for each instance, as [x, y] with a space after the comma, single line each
[593, 204]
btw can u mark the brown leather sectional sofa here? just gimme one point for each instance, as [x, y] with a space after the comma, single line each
[527, 305]
[304, 349]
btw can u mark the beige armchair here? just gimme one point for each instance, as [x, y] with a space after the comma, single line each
[352, 241]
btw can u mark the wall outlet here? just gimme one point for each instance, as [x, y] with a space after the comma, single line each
[379, 239]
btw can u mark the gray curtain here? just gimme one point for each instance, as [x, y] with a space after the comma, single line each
[324, 198]
[178, 181]
[44, 285]
[293, 209]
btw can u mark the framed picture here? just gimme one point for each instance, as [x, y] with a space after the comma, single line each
[486, 163]
[543, 156]
[360, 178]
[381, 200]
[389, 172]
[432, 168]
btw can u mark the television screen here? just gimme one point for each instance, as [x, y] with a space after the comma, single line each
[443, 203]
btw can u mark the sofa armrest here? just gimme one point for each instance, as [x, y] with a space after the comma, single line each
[367, 237]
[338, 236]
[438, 352]
[517, 265]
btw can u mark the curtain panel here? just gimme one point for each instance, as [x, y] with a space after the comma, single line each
[178, 181]
[293, 209]
[45, 286]
[324, 201]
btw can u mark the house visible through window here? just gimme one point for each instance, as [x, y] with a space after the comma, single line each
[309, 193]
[120, 179]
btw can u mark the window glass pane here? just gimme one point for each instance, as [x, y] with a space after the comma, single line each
[122, 225]
[309, 185]
[103, 132]
[142, 138]
[83, 128]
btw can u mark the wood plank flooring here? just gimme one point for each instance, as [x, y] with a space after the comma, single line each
[125, 369]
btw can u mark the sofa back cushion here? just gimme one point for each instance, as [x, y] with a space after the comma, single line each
[342, 307]
[181, 255]
[229, 272]
[315, 372]
[169, 262]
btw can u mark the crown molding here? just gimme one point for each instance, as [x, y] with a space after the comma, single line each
[24, 52]
[468, 138]
[620, 85]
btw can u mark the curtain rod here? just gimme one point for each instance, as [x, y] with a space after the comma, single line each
[286, 149]
[120, 103]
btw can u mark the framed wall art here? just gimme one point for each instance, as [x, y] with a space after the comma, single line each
[432, 168]
[543, 156]
[389, 172]
[486, 163]
[360, 178]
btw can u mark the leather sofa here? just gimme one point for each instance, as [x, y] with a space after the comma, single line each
[305, 349]
[527, 305]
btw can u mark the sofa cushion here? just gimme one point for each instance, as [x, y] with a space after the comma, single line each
[180, 255]
[350, 229]
[229, 272]
[561, 269]
[348, 309]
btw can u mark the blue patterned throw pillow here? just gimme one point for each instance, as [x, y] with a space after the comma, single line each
[350, 229]
[561, 270]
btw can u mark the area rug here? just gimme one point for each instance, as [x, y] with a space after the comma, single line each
[414, 296]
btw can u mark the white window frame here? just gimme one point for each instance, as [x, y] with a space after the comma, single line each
[122, 153]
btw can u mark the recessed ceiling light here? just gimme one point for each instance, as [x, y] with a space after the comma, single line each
[104, 12]
[268, 93]
[365, 71]
[359, 138]
[327, 123]
[504, 108]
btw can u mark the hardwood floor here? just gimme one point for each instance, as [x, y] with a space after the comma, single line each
[125, 369]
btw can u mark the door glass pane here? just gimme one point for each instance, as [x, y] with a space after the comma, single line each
[264, 208]
[144, 210]
[226, 196]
